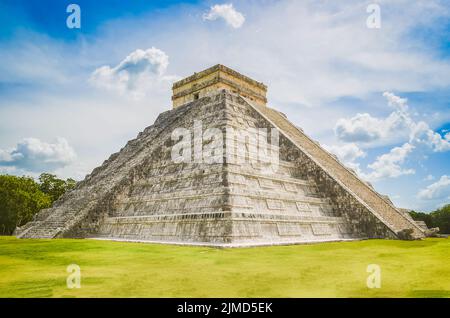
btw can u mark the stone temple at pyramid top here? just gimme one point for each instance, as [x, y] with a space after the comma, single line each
[216, 78]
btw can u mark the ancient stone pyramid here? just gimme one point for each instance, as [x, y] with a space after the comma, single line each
[142, 193]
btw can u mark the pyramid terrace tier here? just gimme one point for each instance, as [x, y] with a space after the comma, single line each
[142, 194]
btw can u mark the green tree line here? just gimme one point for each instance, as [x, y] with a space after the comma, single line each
[22, 197]
[439, 218]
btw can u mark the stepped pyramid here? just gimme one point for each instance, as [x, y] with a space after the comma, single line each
[222, 193]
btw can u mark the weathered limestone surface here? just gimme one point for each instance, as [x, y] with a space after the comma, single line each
[333, 177]
[140, 194]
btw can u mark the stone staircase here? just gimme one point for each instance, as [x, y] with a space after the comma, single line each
[372, 200]
[48, 227]
[41, 231]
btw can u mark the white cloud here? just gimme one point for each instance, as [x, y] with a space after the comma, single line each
[389, 165]
[438, 190]
[421, 134]
[429, 177]
[396, 101]
[227, 12]
[364, 128]
[136, 74]
[399, 125]
[32, 154]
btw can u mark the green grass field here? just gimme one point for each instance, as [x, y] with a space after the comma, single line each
[37, 268]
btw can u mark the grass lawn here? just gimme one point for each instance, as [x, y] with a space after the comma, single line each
[37, 268]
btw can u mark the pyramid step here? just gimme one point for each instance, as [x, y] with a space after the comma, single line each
[378, 205]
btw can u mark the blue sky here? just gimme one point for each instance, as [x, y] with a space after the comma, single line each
[48, 16]
[378, 98]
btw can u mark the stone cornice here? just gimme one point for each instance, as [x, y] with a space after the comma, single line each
[216, 80]
[216, 68]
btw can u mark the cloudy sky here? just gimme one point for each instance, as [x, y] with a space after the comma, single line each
[378, 97]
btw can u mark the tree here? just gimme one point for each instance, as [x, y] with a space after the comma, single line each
[20, 199]
[420, 216]
[439, 218]
[54, 187]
